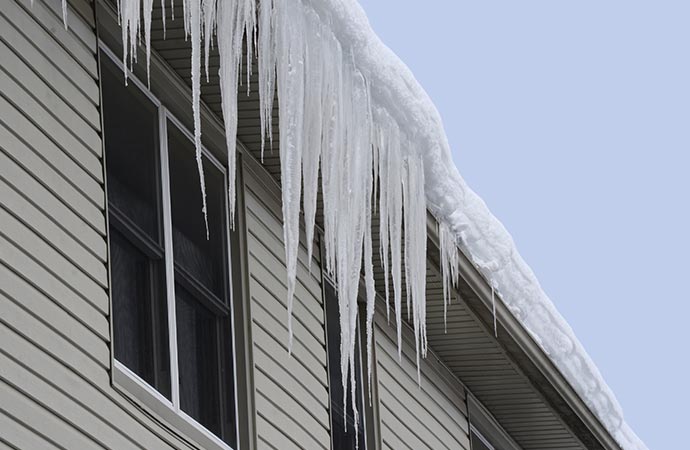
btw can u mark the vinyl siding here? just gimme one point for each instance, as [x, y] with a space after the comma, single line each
[55, 388]
[431, 414]
[291, 392]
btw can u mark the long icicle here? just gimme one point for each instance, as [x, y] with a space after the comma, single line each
[290, 46]
[493, 308]
[450, 266]
[313, 126]
[192, 12]
[235, 20]
[267, 67]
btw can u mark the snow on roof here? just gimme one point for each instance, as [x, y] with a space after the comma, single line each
[350, 107]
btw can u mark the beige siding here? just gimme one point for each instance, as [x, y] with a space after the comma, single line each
[431, 414]
[55, 389]
[291, 392]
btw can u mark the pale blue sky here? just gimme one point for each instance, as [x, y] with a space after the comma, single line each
[571, 118]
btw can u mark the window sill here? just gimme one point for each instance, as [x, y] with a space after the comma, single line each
[161, 409]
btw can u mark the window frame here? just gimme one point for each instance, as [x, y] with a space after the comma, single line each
[123, 379]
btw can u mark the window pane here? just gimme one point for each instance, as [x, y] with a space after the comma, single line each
[205, 365]
[131, 139]
[139, 313]
[343, 435]
[202, 258]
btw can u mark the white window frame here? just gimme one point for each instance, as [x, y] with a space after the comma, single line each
[124, 379]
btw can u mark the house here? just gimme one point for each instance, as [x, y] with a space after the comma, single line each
[129, 319]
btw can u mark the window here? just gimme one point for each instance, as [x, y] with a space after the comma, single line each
[170, 280]
[343, 433]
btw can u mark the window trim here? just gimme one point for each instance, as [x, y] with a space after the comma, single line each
[124, 380]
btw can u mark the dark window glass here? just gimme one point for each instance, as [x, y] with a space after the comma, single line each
[131, 138]
[136, 250]
[343, 433]
[201, 258]
[202, 290]
[197, 343]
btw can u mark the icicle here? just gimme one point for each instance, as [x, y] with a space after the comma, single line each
[234, 20]
[371, 303]
[493, 307]
[208, 10]
[163, 17]
[415, 250]
[185, 18]
[129, 19]
[313, 122]
[382, 163]
[353, 397]
[192, 13]
[395, 205]
[332, 142]
[289, 28]
[148, 9]
[64, 12]
[369, 175]
[250, 33]
[266, 59]
[450, 265]
[387, 142]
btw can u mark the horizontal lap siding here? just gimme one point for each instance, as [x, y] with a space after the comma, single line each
[431, 414]
[291, 391]
[55, 389]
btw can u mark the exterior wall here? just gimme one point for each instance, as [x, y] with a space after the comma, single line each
[55, 388]
[431, 414]
[291, 392]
